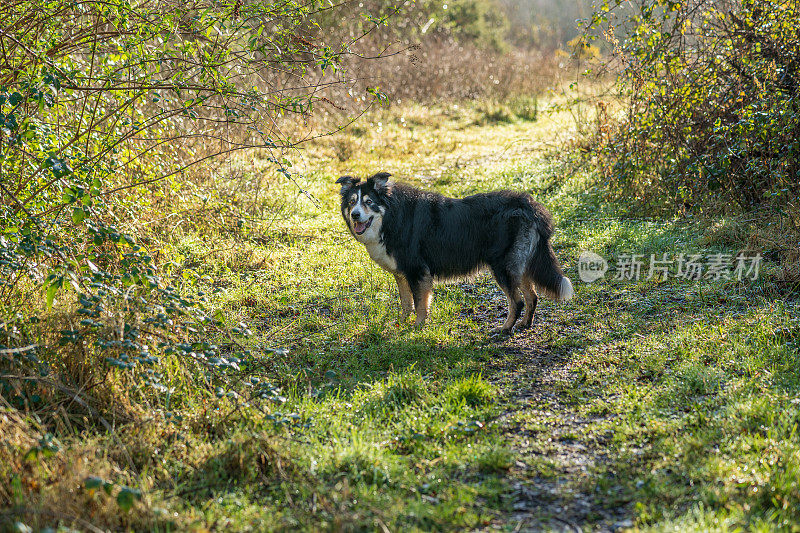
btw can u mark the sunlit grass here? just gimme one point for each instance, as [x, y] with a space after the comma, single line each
[688, 391]
[685, 395]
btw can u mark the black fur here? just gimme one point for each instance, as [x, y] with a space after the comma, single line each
[430, 235]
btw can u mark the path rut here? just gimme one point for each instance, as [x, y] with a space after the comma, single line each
[544, 429]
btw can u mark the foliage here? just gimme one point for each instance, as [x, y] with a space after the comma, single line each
[712, 101]
[483, 23]
[448, 51]
[104, 107]
[544, 24]
[477, 21]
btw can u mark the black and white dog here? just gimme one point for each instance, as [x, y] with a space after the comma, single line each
[422, 237]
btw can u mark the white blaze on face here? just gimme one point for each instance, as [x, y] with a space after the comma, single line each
[355, 209]
[364, 218]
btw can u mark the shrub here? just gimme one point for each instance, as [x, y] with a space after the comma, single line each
[712, 110]
[103, 109]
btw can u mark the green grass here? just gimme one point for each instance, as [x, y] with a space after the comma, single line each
[679, 398]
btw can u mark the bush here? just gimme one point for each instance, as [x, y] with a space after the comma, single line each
[712, 111]
[95, 132]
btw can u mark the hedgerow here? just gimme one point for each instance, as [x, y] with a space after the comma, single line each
[711, 112]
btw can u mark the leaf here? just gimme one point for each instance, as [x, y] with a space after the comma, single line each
[58, 167]
[92, 483]
[51, 294]
[78, 215]
[127, 497]
[32, 454]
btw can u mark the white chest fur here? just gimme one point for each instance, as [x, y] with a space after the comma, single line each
[377, 251]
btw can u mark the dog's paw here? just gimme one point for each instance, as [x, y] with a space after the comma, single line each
[501, 332]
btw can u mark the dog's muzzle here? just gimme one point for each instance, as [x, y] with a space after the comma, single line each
[360, 227]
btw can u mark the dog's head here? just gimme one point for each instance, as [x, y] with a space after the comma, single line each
[364, 205]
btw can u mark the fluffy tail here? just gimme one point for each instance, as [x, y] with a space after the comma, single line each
[546, 273]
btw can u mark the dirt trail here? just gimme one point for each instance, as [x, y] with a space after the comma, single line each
[548, 435]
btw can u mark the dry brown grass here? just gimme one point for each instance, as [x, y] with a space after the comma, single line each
[38, 491]
[439, 68]
[765, 233]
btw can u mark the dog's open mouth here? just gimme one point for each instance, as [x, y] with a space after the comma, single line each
[361, 227]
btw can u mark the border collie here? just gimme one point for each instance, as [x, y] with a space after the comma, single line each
[422, 237]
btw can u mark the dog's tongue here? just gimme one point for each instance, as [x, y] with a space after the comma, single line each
[360, 227]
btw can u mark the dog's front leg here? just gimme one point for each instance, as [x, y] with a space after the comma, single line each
[406, 296]
[423, 294]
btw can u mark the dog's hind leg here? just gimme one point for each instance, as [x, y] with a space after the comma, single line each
[514, 309]
[406, 296]
[531, 298]
[510, 286]
[423, 294]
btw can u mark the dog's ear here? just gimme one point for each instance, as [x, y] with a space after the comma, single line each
[347, 182]
[380, 182]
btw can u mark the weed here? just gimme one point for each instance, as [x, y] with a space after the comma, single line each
[525, 107]
[472, 391]
[496, 459]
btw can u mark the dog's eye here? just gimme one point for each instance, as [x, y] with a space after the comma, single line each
[352, 201]
[368, 202]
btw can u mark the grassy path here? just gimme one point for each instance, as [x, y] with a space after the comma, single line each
[644, 403]
[555, 455]
[651, 405]
[648, 403]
